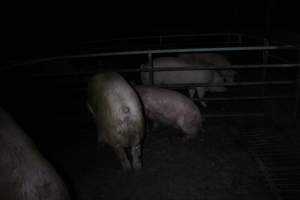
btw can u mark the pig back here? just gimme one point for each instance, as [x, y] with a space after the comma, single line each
[167, 105]
[117, 108]
[173, 77]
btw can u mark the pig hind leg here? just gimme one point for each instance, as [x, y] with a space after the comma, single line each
[100, 138]
[190, 130]
[136, 157]
[121, 153]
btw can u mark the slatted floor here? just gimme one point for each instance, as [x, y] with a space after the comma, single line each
[279, 160]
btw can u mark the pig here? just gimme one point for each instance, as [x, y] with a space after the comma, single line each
[171, 108]
[118, 115]
[24, 173]
[183, 77]
[213, 59]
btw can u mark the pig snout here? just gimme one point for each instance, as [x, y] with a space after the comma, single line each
[229, 75]
[24, 173]
[217, 79]
[118, 115]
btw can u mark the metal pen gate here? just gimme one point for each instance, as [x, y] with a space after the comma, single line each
[267, 85]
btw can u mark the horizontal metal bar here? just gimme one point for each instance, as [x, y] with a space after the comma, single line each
[215, 49]
[289, 185]
[279, 179]
[167, 37]
[235, 99]
[287, 169]
[282, 152]
[252, 37]
[186, 85]
[234, 115]
[243, 98]
[275, 153]
[278, 58]
[253, 136]
[211, 67]
[190, 68]
[258, 38]
[192, 85]
[251, 48]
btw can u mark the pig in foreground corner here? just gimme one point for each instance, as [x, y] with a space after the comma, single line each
[118, 115]
[24, 173]
[171, 108]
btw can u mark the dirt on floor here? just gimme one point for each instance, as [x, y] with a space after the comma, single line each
[216, 165]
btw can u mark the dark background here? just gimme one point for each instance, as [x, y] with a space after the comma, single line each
[52, 110]
[40, 30]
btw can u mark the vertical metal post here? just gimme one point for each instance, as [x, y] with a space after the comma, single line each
[266, 52]
[297, 86]
[228, 38]
[150, 61]
[268, 16]
[149, 122]
[265, 60]
[240, 39]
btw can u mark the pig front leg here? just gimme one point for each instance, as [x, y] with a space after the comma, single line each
[121, 153]
[91, 110]
[201, 93]
[192, 92]
[136, 157]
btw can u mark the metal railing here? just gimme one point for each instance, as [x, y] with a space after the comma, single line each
[264, 47]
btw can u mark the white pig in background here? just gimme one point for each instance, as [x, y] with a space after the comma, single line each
[183, 77]
[213, 59]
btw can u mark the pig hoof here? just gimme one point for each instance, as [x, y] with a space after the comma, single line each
[126, 168]
[203, 104]
[126, 165]
[185, 139]
[137, 166]
[202, 130]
